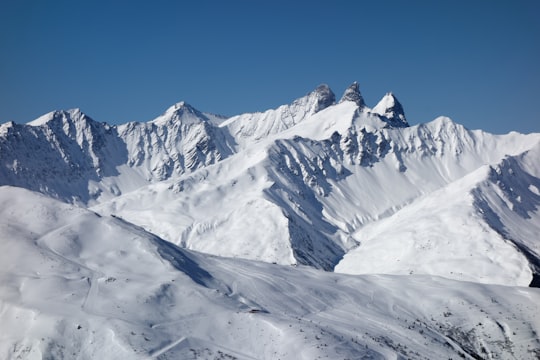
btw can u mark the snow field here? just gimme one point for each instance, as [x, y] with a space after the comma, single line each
[78, 292]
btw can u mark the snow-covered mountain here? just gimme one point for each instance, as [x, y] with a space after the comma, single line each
[300, 184]
[318, 184]
[489, 221]
[70, 156]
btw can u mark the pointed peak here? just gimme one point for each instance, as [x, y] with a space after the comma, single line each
[74, 111]
[387, 99]
[181, 111]
[391, 97]
[390, 108]
[71, 115]
[76, 115]
[317, 100]
[322, 89]
[324, 97]
[181, 105]
[352, 93]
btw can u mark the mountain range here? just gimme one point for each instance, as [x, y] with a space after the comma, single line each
[294, 214]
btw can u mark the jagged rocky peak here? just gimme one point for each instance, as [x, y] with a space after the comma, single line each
[71, 115]
[392, 110]
[352, 93]
[324, 97]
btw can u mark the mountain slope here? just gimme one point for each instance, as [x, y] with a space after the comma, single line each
[428, 235]
[78, 285]
[427, 238]
[247, 128]
[69, 156]
[489, 221]
[60, 154]
[293, 185]
[180, 140]
[292, 199]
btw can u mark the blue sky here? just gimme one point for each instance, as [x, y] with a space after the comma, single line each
[476, 61]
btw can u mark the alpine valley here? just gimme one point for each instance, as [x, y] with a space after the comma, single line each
[319, 229]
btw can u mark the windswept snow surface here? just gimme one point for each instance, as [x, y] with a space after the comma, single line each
[74, 284]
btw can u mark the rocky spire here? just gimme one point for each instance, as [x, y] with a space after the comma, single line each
[352, 93]
[324, 97]
[391, 109]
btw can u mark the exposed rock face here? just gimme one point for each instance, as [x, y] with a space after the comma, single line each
[352, 93]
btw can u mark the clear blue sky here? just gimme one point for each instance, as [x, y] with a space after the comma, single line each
[477, 61]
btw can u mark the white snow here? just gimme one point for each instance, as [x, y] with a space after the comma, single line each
[384, 104]
[453, 241]
[76, 285]
[432, 231]
[42, 120]
[247, 128]
[261, 203]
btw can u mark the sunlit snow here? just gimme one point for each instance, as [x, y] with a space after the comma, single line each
[319, 229]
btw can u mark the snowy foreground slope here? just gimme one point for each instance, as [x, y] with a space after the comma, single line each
[74, 284]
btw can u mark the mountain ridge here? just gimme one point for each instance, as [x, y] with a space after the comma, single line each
[298, 171]
[319, 229]
[181, 139]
